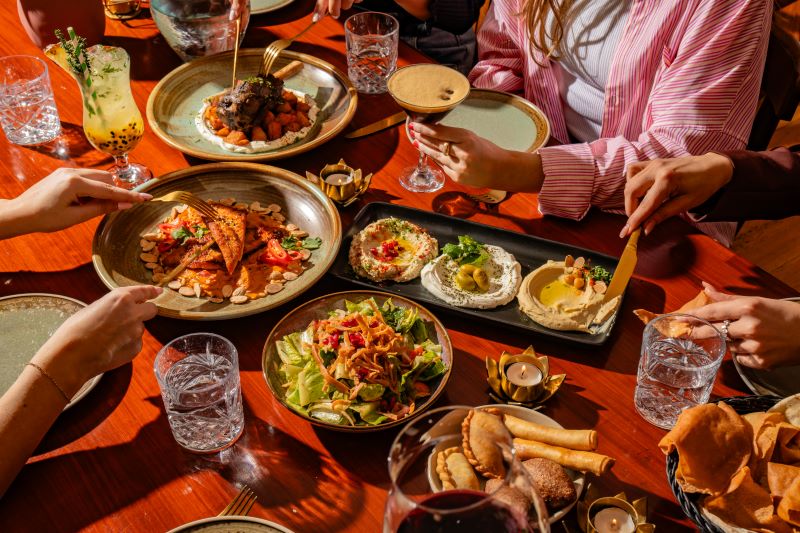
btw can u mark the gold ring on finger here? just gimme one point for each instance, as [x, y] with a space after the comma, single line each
[446, 148]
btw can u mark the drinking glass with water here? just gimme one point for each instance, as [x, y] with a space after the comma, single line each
[371, 50]
[680, 358]
[28, 112]
[199, 379]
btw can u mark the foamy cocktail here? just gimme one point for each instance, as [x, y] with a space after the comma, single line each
[427, 92]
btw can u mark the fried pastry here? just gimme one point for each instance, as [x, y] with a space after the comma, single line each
[482, 432]
[508, 495]
[574, 439]
[454, 470]
[551, 482]
[595, 463]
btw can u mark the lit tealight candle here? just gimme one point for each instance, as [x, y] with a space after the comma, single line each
[613, 520]
[523, 374]
[338, 179]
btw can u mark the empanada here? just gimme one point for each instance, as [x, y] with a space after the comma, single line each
[482, 431]
[455, 471]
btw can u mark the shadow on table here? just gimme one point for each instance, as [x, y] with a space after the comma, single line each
[294, 483]
[151, 58]
[89, 412]
[354, 451]
[72, 145]
[729, 377]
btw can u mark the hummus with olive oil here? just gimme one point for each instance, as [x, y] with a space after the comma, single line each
[391, 249]
[502, 270]
[547, 298]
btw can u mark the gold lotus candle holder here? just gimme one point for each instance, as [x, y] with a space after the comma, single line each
[340, 182]
[522, 379]
[612, 514]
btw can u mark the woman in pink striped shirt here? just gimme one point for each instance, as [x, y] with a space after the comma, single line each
[620, 81]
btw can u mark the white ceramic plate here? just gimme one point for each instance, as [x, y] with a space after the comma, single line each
[230, 524]
[265, 6]
[578, 479]
[26, 322]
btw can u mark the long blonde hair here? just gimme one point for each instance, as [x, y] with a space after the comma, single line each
[546, 39]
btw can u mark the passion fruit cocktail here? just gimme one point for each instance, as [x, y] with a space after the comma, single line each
[111, 121]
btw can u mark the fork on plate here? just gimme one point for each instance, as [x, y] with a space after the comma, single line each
[274, 49]
[184, 197]
[241, 504]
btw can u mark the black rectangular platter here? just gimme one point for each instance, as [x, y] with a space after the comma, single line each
[530, 251]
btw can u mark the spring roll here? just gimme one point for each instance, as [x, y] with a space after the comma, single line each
[576, 460]
[574, 439]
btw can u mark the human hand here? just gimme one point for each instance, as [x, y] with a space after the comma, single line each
[69, 196]
[332, 7]
[474, 161]
[99, 337]
[662, 188]
[763, 330]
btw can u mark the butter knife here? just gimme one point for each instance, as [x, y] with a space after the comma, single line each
[382, 124]
[624, 270]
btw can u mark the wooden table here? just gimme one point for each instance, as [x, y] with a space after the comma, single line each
[111, 464]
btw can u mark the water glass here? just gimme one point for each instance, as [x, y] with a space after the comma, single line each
[371, 50]
[415, 506]
[28, 113]
[680, 358]
[199, 379]
[196, 28]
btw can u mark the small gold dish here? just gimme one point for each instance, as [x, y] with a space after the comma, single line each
[593, 505]
[511, 391]
[340, 182]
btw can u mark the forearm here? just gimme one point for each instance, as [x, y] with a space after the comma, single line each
[520, 172]
[13, 220]
[27, 410]
[764, 185]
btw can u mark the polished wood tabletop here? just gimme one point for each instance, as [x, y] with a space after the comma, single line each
[111, 464]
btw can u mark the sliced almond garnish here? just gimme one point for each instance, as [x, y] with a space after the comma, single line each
[148, 257]
[289, 276]
[150, 266]
[186, 291]
[569, 261]
[215, 300]
[227, 291]
[579, 262]
[273, 288]
[275, 208]
[197, 289]
[175, 284]
[239, 299]
[600, 287]
[239, 291]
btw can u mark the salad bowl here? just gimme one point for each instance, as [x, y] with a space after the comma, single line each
[296, 354]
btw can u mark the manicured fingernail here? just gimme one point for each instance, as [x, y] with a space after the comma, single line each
[416, 144]
[623, 232]
[159, 290]
[412, 134]
[410, 126]
[145, 196]
[124, 205]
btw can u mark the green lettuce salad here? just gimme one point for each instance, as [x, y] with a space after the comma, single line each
[363, 365]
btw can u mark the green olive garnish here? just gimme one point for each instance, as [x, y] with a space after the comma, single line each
[481, 279]
[465, 281]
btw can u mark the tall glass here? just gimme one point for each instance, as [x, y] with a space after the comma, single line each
[197, 28]
[680, 358]
[199, 379]
[28, 112]
[414, 506]
[428, 92]
[371, 40]
[111, 120]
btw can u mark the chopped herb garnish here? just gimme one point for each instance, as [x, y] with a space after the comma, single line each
[293, 243]
[599, 273]
[468, 251]
[78, 60]
[200, 231]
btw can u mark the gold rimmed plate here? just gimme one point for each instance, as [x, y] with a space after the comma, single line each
[258, 7]
[230, 524]
[509, 121]
[178, 98]
[26, 322]
[301, 317]
[115, 249]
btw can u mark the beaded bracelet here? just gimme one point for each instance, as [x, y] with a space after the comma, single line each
[53, 381]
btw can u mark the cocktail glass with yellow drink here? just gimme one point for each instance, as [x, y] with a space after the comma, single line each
[427, 92]
[111, 121]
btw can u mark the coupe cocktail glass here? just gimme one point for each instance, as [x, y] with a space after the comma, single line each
[427, 92]
[111, 121]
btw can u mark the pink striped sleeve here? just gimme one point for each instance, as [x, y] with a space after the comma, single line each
[500, 65]
[705, 100]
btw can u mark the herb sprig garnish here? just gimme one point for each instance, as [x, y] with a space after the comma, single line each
[78, 60]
